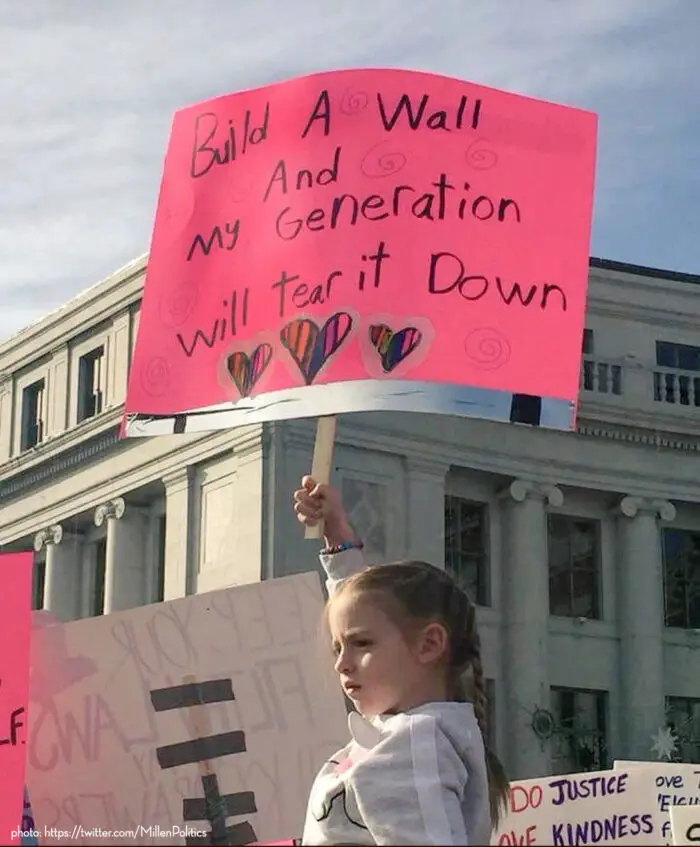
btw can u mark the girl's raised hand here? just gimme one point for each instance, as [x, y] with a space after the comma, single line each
[314, 502]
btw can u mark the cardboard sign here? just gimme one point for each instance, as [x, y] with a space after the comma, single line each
[158, 715]
[599, 807]
[675, 785]
[317, 235]
[15, 619]
[685, 824]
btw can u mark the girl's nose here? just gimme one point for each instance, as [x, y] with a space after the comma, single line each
[342, 663]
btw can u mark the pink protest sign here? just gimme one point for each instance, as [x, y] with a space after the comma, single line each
[15, 621]
[318, 242]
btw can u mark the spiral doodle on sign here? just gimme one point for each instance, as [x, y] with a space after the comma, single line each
[155, 376]
[487, 348]
[176, 306]
[353, 102]
[377, 164]
[481, 156]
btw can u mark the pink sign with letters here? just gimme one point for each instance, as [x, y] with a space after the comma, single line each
[364, 227]
[15, 622]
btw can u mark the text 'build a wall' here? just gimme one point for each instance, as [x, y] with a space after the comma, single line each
[319, 235]
[154, 716]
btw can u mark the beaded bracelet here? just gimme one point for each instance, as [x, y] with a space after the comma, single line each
[341, 548]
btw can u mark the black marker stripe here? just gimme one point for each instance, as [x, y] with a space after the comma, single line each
[180, 423]
[201, 749]
[192, 694]
[241, 803]
[239, 833]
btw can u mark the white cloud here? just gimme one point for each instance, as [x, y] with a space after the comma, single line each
[89, 88]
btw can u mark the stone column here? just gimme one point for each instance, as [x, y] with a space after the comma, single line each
[641, 622]
[426, 511]
[124, 567]
[244, 563]
[526, 618]
[62, 583]
[179, 491]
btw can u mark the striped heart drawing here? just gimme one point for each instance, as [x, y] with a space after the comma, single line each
[311, 346]
[246, 370]
[394, 347]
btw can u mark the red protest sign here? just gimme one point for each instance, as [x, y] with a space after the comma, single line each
[15, 624]
[365, 225]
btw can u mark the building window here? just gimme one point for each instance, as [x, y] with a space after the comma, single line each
[38, 583]
[467, 547]
[90, 384]
[580, 730]
[587, 342]
[574, 566]
[603, 377]
[673, 386]
[97, 604]
[32, 431]
[682, 357]
[681, 554]
[683, 719]
[160, 562]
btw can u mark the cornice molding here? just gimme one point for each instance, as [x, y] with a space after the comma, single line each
[98, 303]
[654, 316]
[649, 438]
[57, 445]
[131, 477]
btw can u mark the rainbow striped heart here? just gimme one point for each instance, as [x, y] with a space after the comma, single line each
[394, 347]
[246, 370]
[312, 346]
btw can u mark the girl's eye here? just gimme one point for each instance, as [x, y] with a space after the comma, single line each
[363, 643]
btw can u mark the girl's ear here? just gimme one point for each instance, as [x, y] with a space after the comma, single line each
[432, 643]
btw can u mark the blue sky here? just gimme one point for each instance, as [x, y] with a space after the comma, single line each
[88, 89]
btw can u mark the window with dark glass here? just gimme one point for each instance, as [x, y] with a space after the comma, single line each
[160, 562]
[683, 719]
[466, 546]
[672, 386]
[38, 584]
[32, 426]
[681, 562]
[90, 384]
[574, 566]
[587, 342]
[98, 588]
[580, 730]
[603, 377]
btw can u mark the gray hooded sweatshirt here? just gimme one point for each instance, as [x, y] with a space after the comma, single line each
[418, 777]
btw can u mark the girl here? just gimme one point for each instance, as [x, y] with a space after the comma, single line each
[416, 771]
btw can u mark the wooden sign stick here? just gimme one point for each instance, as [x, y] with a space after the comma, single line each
[322, 463]
[201, 728]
